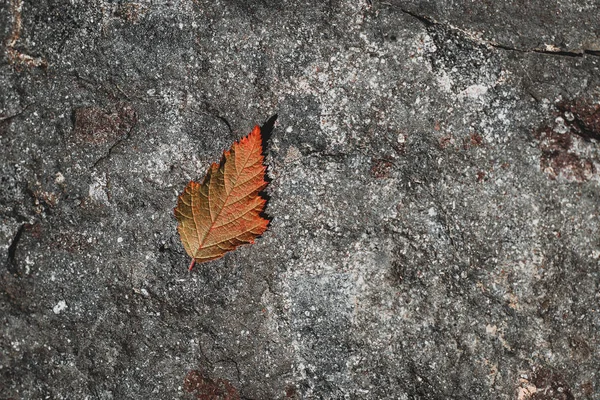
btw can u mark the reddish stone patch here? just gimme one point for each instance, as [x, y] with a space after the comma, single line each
[480, 176]
[400, 146]
[72, 241]
[381, 167]
[588, 388]
[544, 384]
[583, 118]
[473, 140]
[17, 292]
[130, 12]
[476, 139]
[290, 391]
[47, 198]
[204, 388]
[446, 141]
[550, 386]
[35, 230]
[96, 126]
[570, 146]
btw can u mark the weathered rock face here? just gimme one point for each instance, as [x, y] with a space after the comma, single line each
[543, 26]
[435, 199]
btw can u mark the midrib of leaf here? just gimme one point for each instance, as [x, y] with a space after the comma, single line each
[201, 242]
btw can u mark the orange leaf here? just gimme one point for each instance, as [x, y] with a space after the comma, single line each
[223, 211]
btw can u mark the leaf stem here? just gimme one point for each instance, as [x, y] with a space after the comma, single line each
[192, 264]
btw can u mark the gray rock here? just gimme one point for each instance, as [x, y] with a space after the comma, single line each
[434, 200]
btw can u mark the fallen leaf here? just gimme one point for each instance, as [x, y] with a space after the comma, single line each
[223, 212]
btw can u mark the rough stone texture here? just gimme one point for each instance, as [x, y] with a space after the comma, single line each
[553, 25]
[435, 199]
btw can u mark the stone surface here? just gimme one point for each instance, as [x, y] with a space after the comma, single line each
[435, 199]
[551, 26]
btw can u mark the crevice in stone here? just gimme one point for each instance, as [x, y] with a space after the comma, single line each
[12, 249]
[9, 117]
[111, 148]
[215, 113]
[235, 364]
[424, 20]
[224, 120]
[429, 22]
